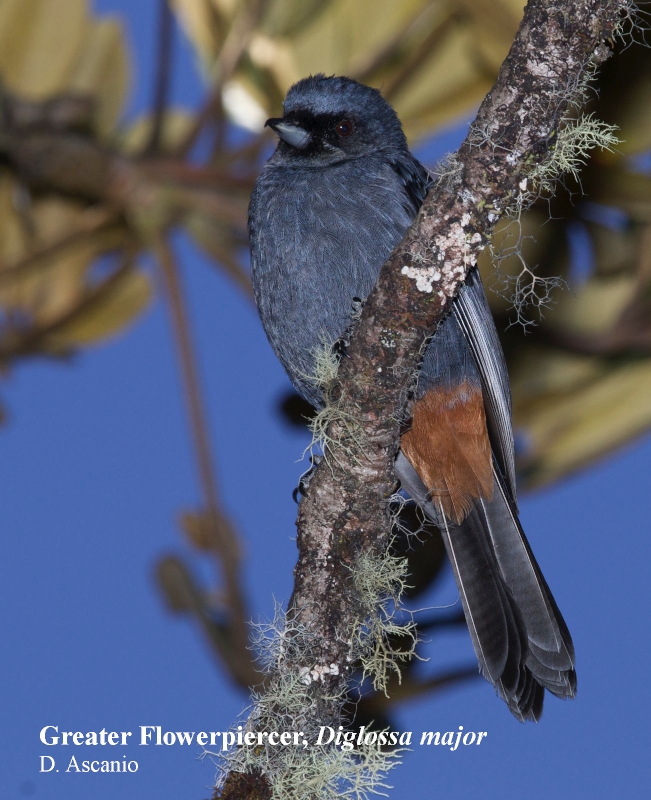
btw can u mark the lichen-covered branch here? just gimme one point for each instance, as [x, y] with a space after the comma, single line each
[343, 522]
[515, 131]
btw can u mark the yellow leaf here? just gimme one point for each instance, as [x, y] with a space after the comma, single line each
[203, 26]
[571, 431]
[288, 17]
[345, 31]
[176, 124]
[539, 373]
[12, 238]
[198, 529]
[495, 23]
[102, 70]
[630, 191]
[45, 294]
[39, 42]
[49, 292]
[595, 307]
[105, 316]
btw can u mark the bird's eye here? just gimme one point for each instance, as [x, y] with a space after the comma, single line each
[344, 128]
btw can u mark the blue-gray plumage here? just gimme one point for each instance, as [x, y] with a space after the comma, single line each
[332, 202]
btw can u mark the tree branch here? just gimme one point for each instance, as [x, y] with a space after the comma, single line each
[220, 529]
[345, 511]
[164, 60]
[344, 518]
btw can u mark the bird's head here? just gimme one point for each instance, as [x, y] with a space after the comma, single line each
[332, 119]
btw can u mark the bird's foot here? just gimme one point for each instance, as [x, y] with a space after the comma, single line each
[306, 477]
[341, 345]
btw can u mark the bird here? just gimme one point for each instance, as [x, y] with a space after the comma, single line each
[332, 202]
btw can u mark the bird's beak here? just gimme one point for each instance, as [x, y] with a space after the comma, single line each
[292, 134]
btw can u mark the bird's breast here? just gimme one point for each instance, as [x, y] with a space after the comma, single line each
[318, 240]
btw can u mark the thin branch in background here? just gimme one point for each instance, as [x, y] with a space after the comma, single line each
[437, 36]
[21, 202]
[202, 176]
[15, 342]
[252, 150]
[90, 222]
[216, 204]
[457, 619]
[163, 74]
[363, 70]
[225, 538]
[183, 595]
[234, 46]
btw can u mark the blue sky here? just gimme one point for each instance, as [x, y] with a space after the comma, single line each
[96, 466]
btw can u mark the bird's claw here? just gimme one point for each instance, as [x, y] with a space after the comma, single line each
[306, 477]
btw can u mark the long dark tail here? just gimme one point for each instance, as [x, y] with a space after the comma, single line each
[520, 638]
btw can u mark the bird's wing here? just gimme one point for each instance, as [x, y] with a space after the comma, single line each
[471, 311]
[474, 318]
[519, 636]
[416, 182]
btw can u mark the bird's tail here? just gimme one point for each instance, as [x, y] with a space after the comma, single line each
[519, 635]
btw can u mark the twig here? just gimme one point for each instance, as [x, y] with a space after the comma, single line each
[416, 59]
[163, 74]
[235, 43]
[200, 176]
[449, 621]
[15, 343]
[90, 222]
[225, 539]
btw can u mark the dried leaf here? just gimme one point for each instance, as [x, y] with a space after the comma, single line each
[177, 585]
[633, 109]
[568, 431]
[595, 307]
[176, 124]
[203, 26]
[40, 41]
[630, 191]
[102, 71]
[44, 295]
[539, 373]
[47, 294]
[199, 530]
[105, 316]
[288, 18]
